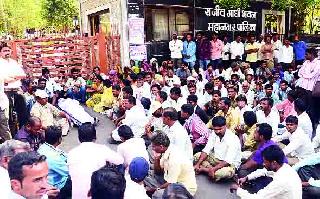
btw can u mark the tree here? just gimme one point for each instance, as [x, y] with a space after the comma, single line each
[59, 13]
[233, 3]
[18, 15]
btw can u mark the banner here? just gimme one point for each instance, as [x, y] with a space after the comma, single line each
[138, 52]
[136, 30]
[217, 19]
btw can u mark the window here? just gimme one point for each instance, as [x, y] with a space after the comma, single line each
[182, 23]
[161, 22]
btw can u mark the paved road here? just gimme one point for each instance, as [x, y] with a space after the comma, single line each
[206, 189]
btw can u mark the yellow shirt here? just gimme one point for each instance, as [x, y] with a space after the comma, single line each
[252, 57]
[250, 143]
[232, 118]
[178, 169]
[46, 113]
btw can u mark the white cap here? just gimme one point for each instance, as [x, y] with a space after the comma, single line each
[250, 72]
[176, 81]
[191, 78]
[41, 93]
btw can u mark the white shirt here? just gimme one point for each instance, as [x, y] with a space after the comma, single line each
[273, 119]
[223, 90]
[227, 149]
[83, 160]
[136, 119]
[286, 54]
[11, 68]
[236, 49]
[134, 190]
[230, 72]
[242, 111]
[250, 97]
[5, 188]
[305, 123]
[226, 49]
[300, 145]
[175, 104]
[316, 139]
[277, 46]
[176, 47]
[132, 148]
[179, 137]
[286, 184]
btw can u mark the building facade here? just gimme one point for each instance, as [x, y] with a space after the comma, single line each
[147, 25]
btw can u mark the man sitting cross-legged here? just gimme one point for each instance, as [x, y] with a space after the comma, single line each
[221, 155]
[285, 184]
[262, 136]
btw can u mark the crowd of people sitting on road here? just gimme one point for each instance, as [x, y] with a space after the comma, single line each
[243, 112]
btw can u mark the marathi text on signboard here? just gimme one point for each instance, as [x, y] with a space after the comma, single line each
[136, 30]
[220, 19]
[138, 52]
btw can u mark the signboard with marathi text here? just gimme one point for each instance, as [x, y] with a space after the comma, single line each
[218, 19]
[136, 30]
[138, 52]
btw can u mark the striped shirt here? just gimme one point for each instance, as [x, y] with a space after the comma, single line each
[197, 130]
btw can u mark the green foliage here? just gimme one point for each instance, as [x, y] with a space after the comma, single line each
[18, 15]
[59, 13]
[233, 3]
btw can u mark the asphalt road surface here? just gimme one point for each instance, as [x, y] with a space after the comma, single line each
[206, 188]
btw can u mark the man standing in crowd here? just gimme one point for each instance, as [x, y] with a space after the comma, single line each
[299, 49]
[10, 83]
[309, 74]
[216, 51]
[189, 51]
[204, 52]
[252, 50]
[286, 55]
[176, 47]
[236, 49]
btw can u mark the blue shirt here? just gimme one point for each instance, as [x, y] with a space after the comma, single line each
[299, 49]
[189, 50]
[57, 163]
[257, 157]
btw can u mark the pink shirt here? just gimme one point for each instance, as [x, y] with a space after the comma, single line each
[216, 49]
[83, 160]
[309, 74]
[287, 107]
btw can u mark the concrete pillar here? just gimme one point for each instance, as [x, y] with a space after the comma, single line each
[124, 34]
